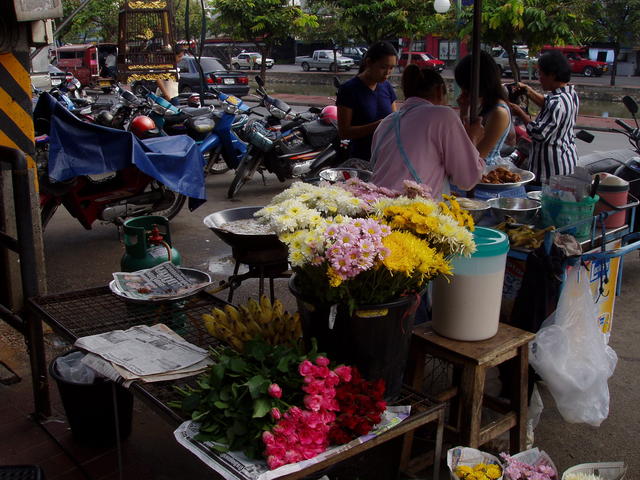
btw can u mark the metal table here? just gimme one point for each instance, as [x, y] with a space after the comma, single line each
[97, 310]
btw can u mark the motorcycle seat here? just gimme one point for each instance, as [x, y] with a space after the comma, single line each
[318, 134]
[200, 124]
[175, 119]
[196, 111]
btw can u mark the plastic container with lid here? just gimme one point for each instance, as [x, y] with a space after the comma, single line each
[615, 191]
[467, 306]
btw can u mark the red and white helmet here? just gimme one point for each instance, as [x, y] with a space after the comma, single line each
[143, 127]
[329, 114]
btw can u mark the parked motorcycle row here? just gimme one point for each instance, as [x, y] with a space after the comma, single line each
[228, 136]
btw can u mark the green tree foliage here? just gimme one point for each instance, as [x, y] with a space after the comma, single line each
[371, 20]
[270, 22]
[195, 18]
[98, 19]
[532, 22]
[615, 21]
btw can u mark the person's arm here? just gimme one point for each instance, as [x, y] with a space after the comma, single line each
[520, 113]
[547, 121]
[534, 96]
[348, 131]
[462, 162]
[394, 106]
[163, 89]
[494, 127]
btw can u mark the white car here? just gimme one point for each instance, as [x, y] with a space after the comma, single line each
[250, 60]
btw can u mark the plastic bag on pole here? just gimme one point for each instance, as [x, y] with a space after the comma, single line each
[571, 355]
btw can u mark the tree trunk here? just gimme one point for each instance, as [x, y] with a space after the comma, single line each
[515, 71]
[263, 65]
[614, 65]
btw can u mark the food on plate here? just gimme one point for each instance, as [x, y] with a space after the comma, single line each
[523, 236]
[265, 319]
[501, 175]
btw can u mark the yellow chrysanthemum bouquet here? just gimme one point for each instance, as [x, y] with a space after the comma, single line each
[364, 245]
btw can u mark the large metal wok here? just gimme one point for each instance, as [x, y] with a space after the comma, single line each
[266, 256]
[238, 241]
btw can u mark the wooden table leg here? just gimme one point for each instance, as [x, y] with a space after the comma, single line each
[520, 399]
[472, 390]
[437, 453]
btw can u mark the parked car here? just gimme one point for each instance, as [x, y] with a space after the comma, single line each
[578, 62]
[422, 60]
[354, 53]
[250, 60]
[231, 83]
[325, 59]
[523, 60]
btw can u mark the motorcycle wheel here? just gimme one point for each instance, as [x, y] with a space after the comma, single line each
[215, 164]
[172, 209]
[248, 165]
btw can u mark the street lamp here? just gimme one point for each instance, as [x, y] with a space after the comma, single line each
[441, 6]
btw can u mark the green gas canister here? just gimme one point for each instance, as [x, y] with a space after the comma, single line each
[147, 243]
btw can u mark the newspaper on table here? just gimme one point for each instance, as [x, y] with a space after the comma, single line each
[471, 457]
[143, 350]
[162, 282]
[236, 466]
[125, 377]
[535, 457]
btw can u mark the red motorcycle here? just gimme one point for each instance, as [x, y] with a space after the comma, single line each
[105, 184]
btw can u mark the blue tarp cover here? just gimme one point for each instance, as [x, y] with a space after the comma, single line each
[81, 148]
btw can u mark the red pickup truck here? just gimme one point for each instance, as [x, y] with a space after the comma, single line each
[578, 63]
[421, 59]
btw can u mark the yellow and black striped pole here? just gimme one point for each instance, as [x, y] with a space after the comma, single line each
[16, 121]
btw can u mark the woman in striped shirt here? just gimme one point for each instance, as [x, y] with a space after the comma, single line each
[553, 150]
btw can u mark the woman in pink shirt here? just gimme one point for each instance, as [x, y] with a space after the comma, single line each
[425, 140]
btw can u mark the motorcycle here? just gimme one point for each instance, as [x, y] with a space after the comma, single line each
[624, 163]
[299, 148]
[213, 130]
[113, 187]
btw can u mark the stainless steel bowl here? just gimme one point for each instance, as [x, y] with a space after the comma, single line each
[476, 208]
[522, 210]
[343, 174]
[535, 195]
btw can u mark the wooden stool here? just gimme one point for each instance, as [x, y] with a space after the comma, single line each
[470, 361]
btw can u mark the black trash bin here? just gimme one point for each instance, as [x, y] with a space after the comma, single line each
[90, 408]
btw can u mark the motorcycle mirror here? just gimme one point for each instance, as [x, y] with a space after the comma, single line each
[315, 110]
[259, 80]
[585, 136]
[630, 103]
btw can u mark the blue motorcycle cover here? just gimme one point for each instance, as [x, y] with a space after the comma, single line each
[80, 148]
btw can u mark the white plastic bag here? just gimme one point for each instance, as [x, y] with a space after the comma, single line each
[570, 354]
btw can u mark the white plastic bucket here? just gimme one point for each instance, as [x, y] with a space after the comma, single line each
[467, 306]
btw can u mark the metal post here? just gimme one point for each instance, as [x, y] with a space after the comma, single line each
[475, 77]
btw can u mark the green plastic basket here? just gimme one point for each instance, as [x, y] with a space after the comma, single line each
[561, 214]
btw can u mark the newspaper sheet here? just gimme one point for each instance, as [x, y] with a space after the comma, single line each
[143, 350]
[236, 466]
[162, 282]
[123, 376]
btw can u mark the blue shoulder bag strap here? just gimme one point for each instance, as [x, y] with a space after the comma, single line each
[396, 126]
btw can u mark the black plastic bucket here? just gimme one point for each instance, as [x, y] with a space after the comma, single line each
[90, 408]
[375, 338]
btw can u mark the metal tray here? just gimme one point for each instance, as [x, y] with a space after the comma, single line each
[196, 276]
[526, 176]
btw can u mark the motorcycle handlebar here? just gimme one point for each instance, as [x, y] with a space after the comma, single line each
[624, 125]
